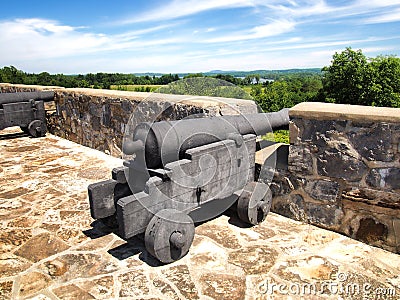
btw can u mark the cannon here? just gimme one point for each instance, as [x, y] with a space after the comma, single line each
[179, 173]
[26, 110]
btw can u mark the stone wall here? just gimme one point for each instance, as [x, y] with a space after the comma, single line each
[98, 118]
[343, 167]
[343, 171]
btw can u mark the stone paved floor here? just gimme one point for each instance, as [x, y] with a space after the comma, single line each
[50, 248]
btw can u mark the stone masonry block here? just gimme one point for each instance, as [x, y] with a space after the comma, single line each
[323, 190]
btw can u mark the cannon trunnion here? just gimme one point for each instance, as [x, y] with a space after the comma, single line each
[26, 110]
[191, 179]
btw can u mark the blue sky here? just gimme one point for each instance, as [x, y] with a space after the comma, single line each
[191, 36]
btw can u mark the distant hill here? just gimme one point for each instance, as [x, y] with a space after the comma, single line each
[262, 73]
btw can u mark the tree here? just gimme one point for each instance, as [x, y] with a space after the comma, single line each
[344, 79]
[354, 79]
[384, 81]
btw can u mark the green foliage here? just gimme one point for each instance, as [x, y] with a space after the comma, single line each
[193, 75]
[279, 136]
[352, 78]
[287, 92]
[204, 86]
[135, 88]
[98, 80]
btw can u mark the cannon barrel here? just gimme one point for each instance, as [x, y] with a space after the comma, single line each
[26, 96]
[162, 142]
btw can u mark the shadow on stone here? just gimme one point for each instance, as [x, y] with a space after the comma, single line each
[100, 228]
[11, 136]
[125, 251]
[234, 219]
[132, 247]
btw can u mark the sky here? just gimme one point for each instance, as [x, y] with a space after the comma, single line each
[176, 36]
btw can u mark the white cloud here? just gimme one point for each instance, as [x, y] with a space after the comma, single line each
[272, 34]
[31, 39]
[388, 17]
[274, 28]
[39, 38]
[182, 8]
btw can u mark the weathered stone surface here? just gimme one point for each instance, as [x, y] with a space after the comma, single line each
[324, 215]
[134, 284]
[99, 288]
[373, 143]
[323, 189]
[218, 234]
[41, 246]
[384, 178]
[284, 183]
[97, 118]
[370, 231]
[71, 291]
[208, 255]
[56, 267]
[11, 239]
[297, 208]
[165, 289]
[294, 132]
[12, 208]
[33, 282]
[372, 197]
[6, 289]
[14, 193]
[341, 163]
[312, 130]
[307, 269]
[70, 266]
[181, 278]
[11, 265]
[254, 259]
[223, 286]
[292, 206]
[300, 160]
[357, 113]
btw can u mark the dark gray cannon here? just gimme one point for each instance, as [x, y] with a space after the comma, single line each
[183, 172]
[25, 109]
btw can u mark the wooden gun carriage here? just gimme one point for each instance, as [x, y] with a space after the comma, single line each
[184, 172]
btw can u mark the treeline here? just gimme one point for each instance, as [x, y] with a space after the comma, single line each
[107, 80]
[352, 78]
[97, 81]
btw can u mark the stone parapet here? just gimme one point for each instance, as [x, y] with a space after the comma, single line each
[98, 118]
[344, 171]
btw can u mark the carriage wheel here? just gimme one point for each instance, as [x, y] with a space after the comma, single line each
[254, 203]
[169, 235]
[37, 128]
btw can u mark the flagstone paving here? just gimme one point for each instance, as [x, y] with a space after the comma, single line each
[50, 247]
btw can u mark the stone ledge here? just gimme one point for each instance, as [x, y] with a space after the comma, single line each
[24, 87]
[199, 101]
[330, 111]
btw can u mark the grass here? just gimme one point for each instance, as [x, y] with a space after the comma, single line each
[136, 87]
[279, 136]
[247, 88]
